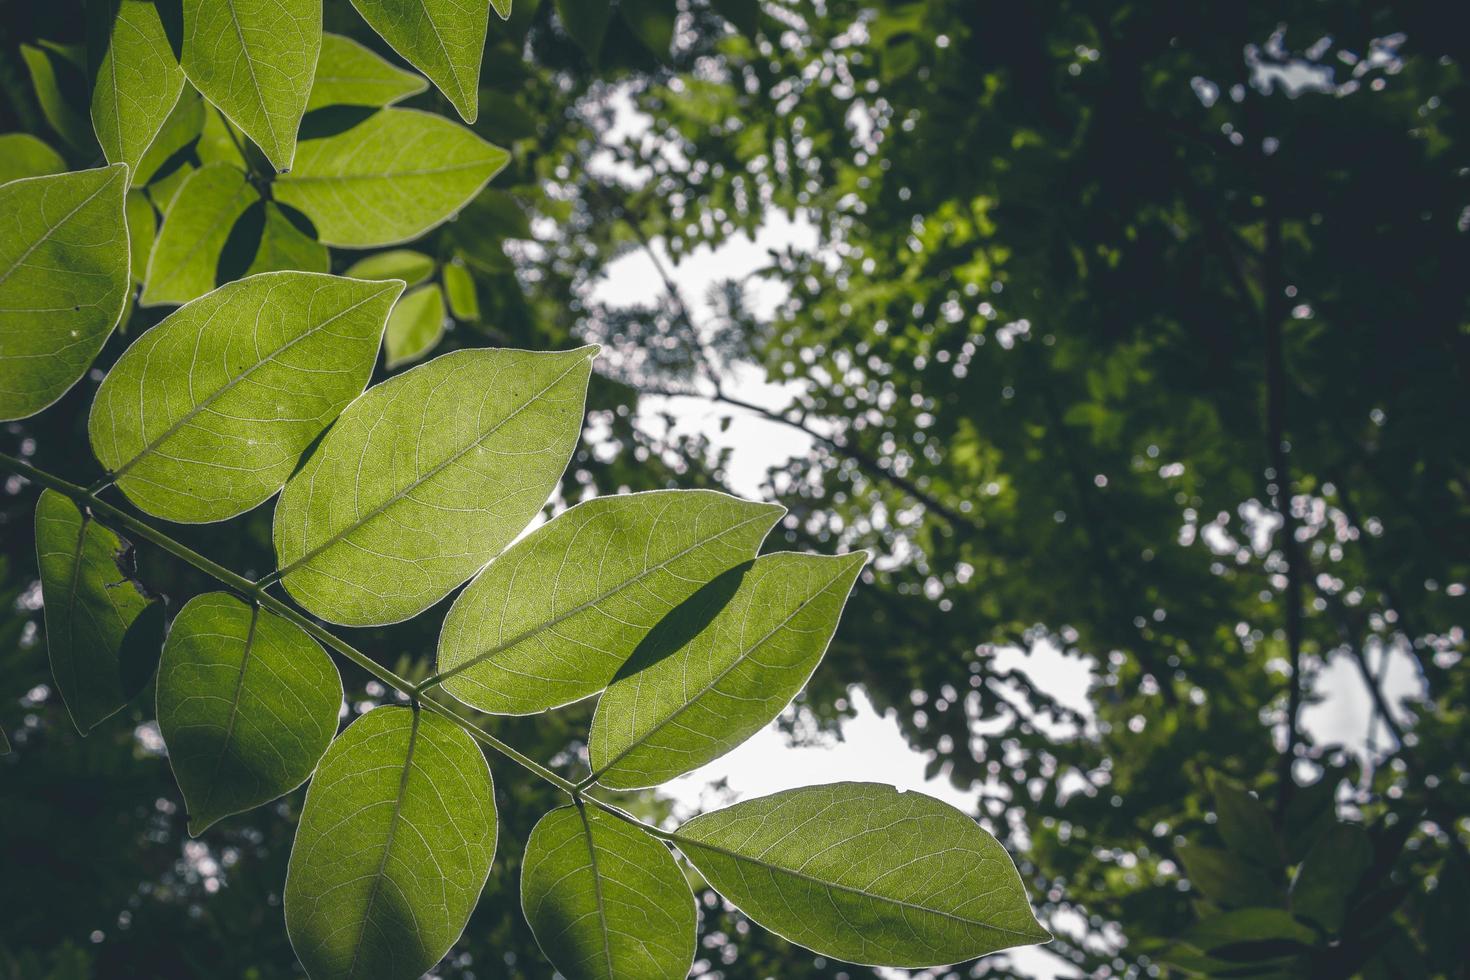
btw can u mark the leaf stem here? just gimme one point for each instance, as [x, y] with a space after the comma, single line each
[256, 591]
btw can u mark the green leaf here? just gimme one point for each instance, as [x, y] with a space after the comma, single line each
[604, 899]
[64, 280]
[22, 155]
[255, 60]
[393, 848]
[247, 704]
[184, 263]
[652, 22]
[137, 80]
[182, 128]
[719, 667]
[412, 267]
[350, 74]
[444, 39]
[1245, 824]
[206, 415]
[586, 21]
[60, 83]
[864, 873]
[1227, 879]
[415, 326]
[142, 227]
[425, 478]
[554, 618]
[284, 247]
[1326, 880]
[162, 190]
[1247, 926]
[464, 303]
[388, 179]
[221, 142]
[89, 604]
[502, 8]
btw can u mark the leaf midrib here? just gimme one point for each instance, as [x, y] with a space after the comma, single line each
[53, 229]
[234, 707]
[433, 471]
[387, 175]
[597, 888]
[367, 910]
[254, 81]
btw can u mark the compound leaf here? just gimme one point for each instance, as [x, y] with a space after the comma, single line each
[185, 259]
[350, 74]
[719, 667]
[255, 60]
[425, 478]
[64, 280]
[412, 267]
[138, 81]
[389, 179]
[415, 326]
[89, 605]
[864, 873]
[554, 618]
[605, 900]
[247, 704]
[393, 848]
[444, 39]
[206, 414]
[23, 155]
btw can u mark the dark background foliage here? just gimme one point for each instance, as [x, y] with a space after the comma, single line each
[1139, 329]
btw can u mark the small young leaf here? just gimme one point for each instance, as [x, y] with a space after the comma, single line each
[59, 79]
[165, 154]
[137, 79]
[185, 258]
[444, 39]
[719, 667]
[285, 248]
[864, 873]
[393, 848]
[389, 179]
[90, 604]
[412, 267]
[464, 303]
[255, 59]
[22, 155]
[586, 21]
[605, 900]
[142, 227]
[554, 618]
[247, 704]
[206, 415]
[415, 326]
[1326, 880]
[64, 280]
[425, 478]
[350, 74]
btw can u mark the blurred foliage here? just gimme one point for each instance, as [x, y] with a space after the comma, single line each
[1086, 275]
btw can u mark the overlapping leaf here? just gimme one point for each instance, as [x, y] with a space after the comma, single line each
[605, 900]
[255, 59]
[64, 279]
[350, 74]
[206, 415]
[22, 155]
[393, 848]
[283, 247]
[425, 478]
[412, 267]
[389, 179]
[247, 704]
[180, 129]
[863, 873]
[719, 667]
[90, 606]
[415, 326]
[138, 81]
[444, 39]
[184, 263]
[555, 617]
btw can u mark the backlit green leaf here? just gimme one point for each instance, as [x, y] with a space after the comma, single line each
[393, 848]
[220, 141]
[1225, 879]
[425, 478]
[206, 414]
[142, 227]
[864, 873]
[89, 604]
[1247, 926]
[605, 900]
[444, 39]
[1245, 824]
[388, 179]
[64, 280]
[284, 247]
[1324, 884]
[164, 154]
[247, 704]
[22, 155]
[350, 74]
[459, 285]
[137, 80]
[255, 59]
[719, 667]
[415, 326]
[59, 78]
[412, 267]
[184, 263]
[555, 617]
